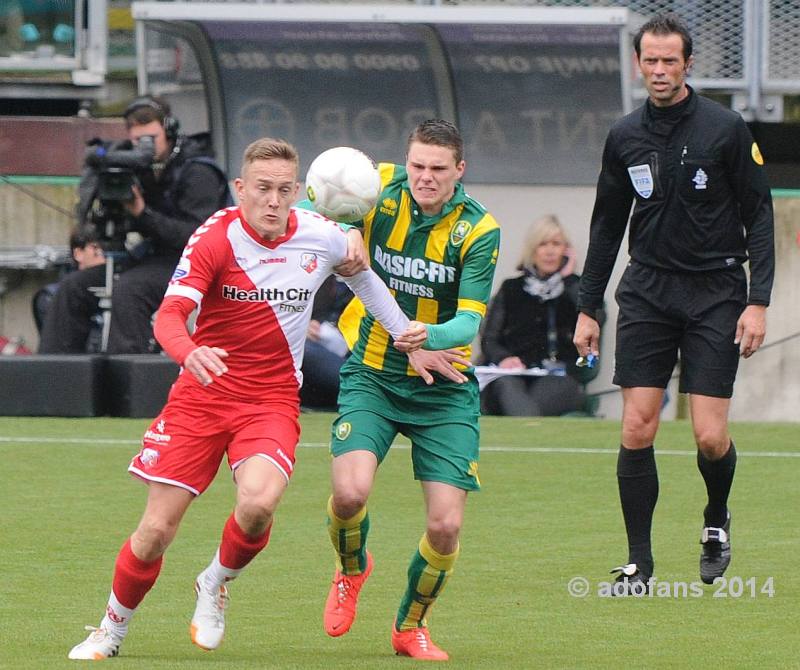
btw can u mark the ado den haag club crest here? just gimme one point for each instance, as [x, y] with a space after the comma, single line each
[460, 232]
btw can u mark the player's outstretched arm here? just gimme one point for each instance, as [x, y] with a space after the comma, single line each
[356, 260]
[443, 362]
[377, 299]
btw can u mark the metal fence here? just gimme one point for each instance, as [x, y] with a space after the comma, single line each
[739, 44]
[781, 46]
[725, 34]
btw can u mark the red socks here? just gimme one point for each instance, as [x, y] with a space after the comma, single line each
[133, 577]
[237, 549]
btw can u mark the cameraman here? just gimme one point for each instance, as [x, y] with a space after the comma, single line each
[72, 318]
[173, 196]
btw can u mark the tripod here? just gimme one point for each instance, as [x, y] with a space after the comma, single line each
[110, 216]
[104, 295]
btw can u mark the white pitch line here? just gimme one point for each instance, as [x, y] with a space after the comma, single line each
[67, 440]
[496, 449]
[665, 452]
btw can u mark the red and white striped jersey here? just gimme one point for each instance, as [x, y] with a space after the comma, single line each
[255, 297]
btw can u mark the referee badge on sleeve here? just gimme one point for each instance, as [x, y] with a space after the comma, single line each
[642, 180]
[755, 152]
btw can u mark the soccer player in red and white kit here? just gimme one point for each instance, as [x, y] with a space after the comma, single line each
[253, 271]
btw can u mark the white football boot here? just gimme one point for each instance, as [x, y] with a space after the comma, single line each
[208, 622]
[99, 645]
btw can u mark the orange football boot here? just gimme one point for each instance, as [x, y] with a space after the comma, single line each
[416, 643]
[340, 608]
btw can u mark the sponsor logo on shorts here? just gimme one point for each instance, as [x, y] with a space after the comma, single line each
[161, 425]
[343, 430]
[156, 437]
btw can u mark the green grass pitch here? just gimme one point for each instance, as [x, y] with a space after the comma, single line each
[548, 513]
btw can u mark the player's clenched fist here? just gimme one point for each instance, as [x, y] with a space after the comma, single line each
[205, 360]
[412, 338]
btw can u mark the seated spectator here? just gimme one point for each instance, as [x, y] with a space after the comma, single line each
[529, 323]
[325, 348]
[178, 190]
[80, 319]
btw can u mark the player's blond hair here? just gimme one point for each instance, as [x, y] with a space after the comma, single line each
[543, 229]
[268, 148]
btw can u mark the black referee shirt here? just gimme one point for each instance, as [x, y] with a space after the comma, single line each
[701, 198]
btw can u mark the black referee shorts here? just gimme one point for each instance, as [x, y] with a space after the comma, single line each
[662, 313]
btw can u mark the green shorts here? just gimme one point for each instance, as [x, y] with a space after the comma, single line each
[444, 443]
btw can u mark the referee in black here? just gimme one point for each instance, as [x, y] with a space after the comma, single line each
[702, 208]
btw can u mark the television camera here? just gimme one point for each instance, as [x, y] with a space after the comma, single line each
[116, 169]
[112, 172]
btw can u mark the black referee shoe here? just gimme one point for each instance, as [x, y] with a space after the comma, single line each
[716, 554]
[630, 581]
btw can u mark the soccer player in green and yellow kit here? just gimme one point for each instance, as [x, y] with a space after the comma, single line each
[436, 249]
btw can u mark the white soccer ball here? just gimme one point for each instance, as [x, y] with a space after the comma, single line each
[343, 184]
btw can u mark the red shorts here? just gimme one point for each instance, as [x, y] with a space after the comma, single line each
[185, 444]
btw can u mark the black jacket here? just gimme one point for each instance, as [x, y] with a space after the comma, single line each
[183, 196]
[516, 324]
[702, 202]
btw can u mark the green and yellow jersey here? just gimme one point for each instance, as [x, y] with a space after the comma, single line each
[434, 266]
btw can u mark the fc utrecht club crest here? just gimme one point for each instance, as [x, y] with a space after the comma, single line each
[149, 457]
[308, 262]
[642, 180]
[460, 232]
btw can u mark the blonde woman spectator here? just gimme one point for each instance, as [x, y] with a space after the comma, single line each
[530, 324]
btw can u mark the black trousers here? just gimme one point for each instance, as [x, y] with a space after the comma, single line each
[136, 295]
[532, 396]
[68, 319]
